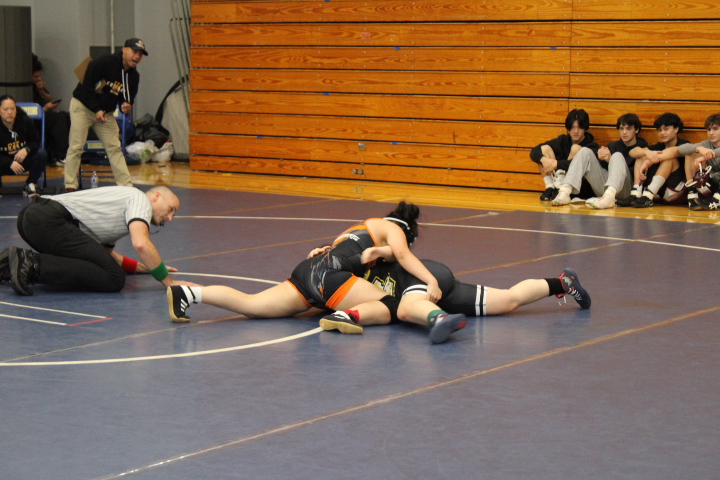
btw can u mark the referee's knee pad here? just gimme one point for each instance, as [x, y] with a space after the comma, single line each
[392, 304]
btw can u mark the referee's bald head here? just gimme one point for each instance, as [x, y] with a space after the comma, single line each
[165, 204]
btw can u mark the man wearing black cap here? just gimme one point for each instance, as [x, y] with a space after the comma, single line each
[110, 81]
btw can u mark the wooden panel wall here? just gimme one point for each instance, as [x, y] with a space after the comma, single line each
[445, 92]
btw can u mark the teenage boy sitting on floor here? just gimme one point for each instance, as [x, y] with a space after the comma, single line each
[554, 156]
[665, 180]
[695, 155]
[607, 172]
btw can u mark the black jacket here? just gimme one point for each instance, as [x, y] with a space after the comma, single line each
[106, 84]
[561, 147]
[21, 135]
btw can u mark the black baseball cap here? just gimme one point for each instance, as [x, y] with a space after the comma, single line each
[137, 45]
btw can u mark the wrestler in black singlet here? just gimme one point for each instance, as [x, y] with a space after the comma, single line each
[457, 297]
[319, 278]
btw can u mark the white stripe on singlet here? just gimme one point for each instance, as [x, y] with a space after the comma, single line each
[415, 289]
[480, 301]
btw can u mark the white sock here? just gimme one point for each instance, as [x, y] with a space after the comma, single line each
[193, 293]
[610, 192]
[656, 184]
[548, 179]
[636, 191]
[567, 188]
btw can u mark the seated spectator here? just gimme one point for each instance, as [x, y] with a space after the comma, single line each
[663, 181]
[20, 150]
[695, 156]
[57, 123]
[609, 171]
[554, 156]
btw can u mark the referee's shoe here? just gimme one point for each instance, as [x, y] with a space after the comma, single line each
[5, 266]
[24, 269]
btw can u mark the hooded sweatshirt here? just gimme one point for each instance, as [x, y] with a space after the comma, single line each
[21, 135]
[106, 84]
[561, 147]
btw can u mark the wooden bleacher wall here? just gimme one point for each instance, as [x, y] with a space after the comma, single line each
[443, 92]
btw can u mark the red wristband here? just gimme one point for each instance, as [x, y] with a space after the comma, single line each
[129, 265]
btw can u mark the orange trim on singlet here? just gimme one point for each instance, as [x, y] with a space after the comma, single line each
[359, 226]
[341, 292]
[301, 295]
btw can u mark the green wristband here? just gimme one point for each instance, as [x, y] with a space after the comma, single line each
[160, 272]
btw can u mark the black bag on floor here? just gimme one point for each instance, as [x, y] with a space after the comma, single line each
[147, 128]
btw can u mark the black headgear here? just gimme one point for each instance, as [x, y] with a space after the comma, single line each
[409, 235]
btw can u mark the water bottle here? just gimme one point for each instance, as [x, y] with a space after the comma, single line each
[94, 180]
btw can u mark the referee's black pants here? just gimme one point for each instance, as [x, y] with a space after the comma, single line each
[68, 256]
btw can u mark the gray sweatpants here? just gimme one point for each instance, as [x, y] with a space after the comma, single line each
[586, 165]
[619, 175]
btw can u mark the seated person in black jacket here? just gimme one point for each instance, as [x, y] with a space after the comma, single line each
[20, 150]
[554, 156]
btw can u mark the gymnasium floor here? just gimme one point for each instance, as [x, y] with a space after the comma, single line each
[106, 386]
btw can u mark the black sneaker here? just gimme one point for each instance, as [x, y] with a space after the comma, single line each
[712, 203]
[446, 325]
[178, 303]
[571, 284]
[549, 194]
[5, 266]
[30, 191]
[341, 321]
[626, 202]
[24, 269]
[642, 202]
[694, 204]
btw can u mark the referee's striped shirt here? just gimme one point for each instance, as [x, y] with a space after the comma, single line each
[105, 213]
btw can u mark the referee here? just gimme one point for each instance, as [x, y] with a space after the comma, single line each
[74, 237]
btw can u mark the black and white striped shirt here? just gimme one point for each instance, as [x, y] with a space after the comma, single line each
[105, 213]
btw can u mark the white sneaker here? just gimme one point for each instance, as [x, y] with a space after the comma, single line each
[558, 178]
[606, 201]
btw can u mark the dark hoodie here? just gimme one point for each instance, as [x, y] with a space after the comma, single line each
[561, 147]
[21, 135]
[106, 84]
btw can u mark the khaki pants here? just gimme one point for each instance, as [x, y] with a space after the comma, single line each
[81, 120]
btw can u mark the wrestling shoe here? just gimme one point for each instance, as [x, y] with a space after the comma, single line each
[571, 284]
[642, 202]
[341, 321]
[549, 194]
[178, 303]
[24, 269]
[445, 325]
